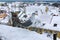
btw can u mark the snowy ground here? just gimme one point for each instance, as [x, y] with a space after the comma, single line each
[11, 33]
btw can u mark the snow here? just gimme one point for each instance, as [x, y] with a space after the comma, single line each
[49, 26]
[13, 33]
[58, 39]
[56, 19]
[6, 19]
[43, 17]
[31, 9]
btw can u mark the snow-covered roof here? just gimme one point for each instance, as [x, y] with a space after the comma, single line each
[56, 20]
[51, 27]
